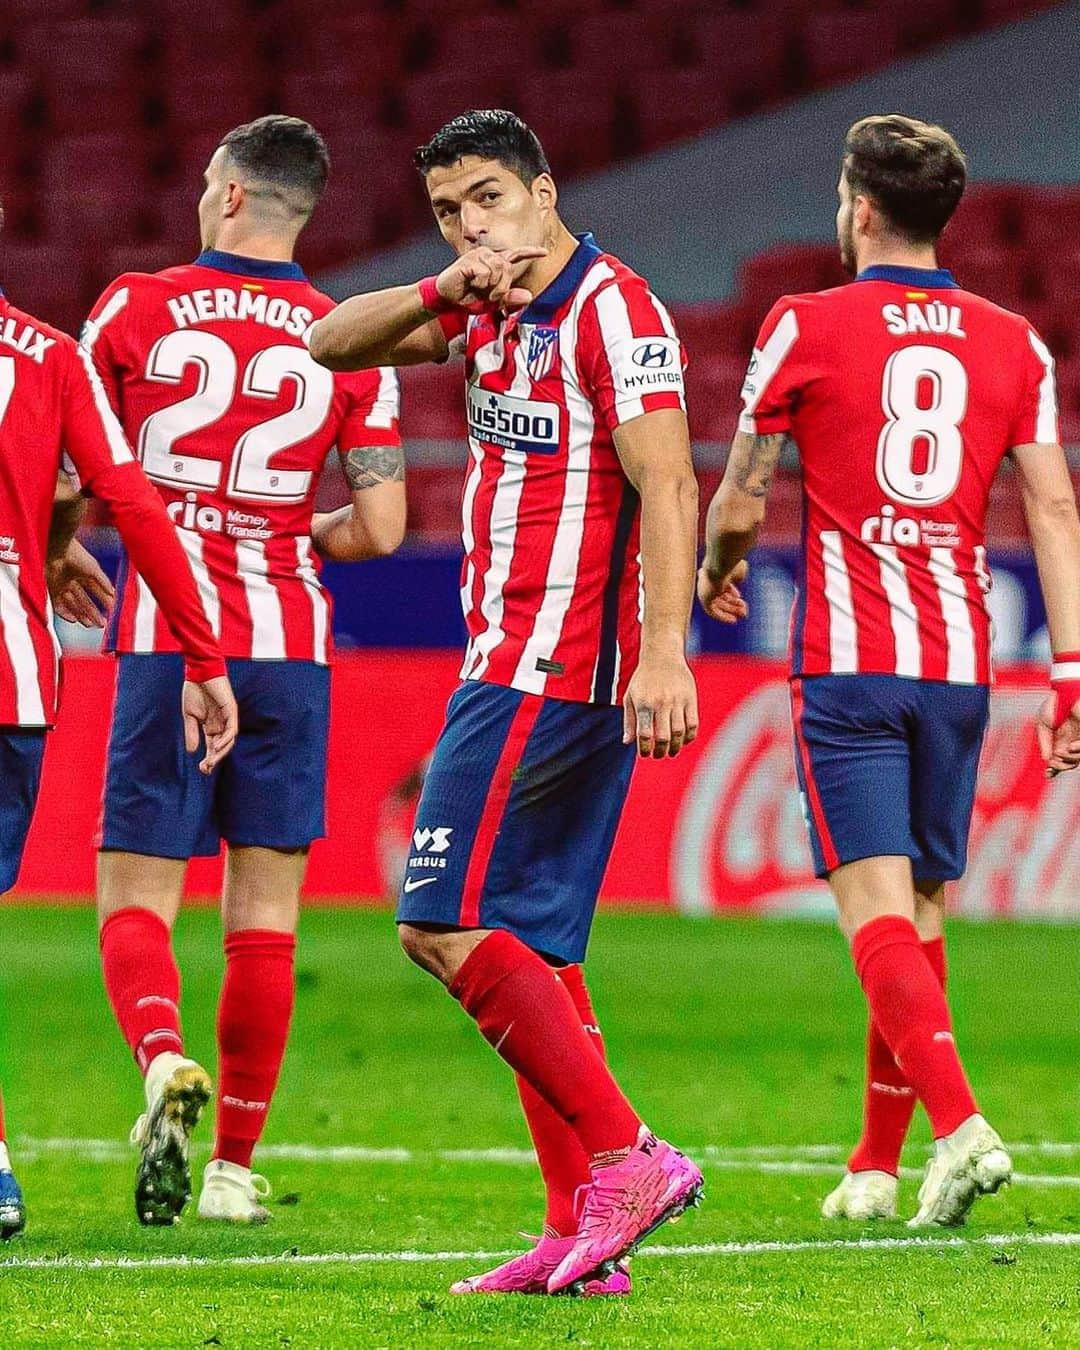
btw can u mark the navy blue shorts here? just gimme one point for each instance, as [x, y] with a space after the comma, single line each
[269, 792]
[517, 817]
[887, 766]
[21, 753]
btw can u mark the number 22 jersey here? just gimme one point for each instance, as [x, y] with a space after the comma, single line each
[208, 369]
[903, 394]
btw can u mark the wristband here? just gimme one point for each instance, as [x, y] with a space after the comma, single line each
[431, 298]
[1065, 682]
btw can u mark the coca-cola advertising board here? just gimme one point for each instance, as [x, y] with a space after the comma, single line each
[719, 828]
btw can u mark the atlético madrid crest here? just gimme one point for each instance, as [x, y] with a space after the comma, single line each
[543, 352]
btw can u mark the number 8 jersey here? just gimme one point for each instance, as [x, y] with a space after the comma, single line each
[208, 369]
[903, 394]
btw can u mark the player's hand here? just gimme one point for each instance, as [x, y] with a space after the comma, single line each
[210, 707]
[660, 709]
[720, 596]
[484, 278]
[80, 591]
[1059, 738]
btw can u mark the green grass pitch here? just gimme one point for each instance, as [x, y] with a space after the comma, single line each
[741, 1040]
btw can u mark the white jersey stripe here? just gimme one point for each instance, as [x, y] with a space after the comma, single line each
[264, 603]
[502, 517]
[146, 608]
[616, 332]
[91, 329]
[562, 570]
[764, 365]
[981, 570]
[903, 615]
[320, 606]
[468, 539]
[50, 617]
[1046, 423]
[387, 405]
[208, 594]
[843, 649]
[959, 634]
[29, 708]
[114, 432]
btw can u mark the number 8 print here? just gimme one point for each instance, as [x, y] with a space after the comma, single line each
[907, 423]
[250, 475]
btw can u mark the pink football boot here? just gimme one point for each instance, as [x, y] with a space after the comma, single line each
[625, 1203]
[529, 1273]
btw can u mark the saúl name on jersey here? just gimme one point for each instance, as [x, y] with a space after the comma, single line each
[246, 304]
[928, 317]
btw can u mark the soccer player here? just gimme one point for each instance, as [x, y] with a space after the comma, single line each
[903, 393]
[54, 413]
[208, 367]
[579, 529]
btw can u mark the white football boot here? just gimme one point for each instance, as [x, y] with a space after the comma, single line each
[177, 1089]
[965, 1164]
[231, 1193]
[861, 1196]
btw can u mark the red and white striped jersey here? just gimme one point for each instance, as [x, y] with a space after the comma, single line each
[208, 368]
[551, 581]
[903, 393]
[53, 410]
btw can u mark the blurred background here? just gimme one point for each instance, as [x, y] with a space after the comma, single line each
[700, 141]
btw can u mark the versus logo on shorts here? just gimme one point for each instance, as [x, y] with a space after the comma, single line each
[429, 849]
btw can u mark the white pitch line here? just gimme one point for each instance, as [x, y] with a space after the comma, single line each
[994, 1240]
[710, 1156]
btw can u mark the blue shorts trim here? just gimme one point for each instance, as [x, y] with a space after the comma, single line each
[517, 817]
[21, 754]
[887, 766]
[269, 792]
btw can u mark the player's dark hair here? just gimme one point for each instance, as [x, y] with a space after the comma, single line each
[914, 172]
[286, 154]
[487, 133]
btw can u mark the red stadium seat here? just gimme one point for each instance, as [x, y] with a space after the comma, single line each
[712, 395]
[788, 269]
[669, 104]
[761, 42]
[627, 43]
[429, 101]
[47, 281]
[838, 45]
[557, 106]
[996, 273]
[433, 401]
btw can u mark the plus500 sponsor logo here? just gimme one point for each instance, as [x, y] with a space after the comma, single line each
[515, 424]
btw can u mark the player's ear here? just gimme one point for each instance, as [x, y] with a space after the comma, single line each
[862, 213]
[233, 200]
[545, 193]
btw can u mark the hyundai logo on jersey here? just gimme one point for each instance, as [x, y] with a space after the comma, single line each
[543, 352]
[652, 355]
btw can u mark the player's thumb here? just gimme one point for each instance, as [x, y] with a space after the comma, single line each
[629, 721]
[191, 731]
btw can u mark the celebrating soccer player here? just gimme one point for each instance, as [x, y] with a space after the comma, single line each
[208, 366]
[54, 415]
[903, 393]
[580, 511]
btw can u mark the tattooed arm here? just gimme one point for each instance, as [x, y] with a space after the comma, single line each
[731, 526]
[374, 524]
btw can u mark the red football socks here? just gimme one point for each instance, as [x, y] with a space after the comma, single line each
[142, 982]
[252, 1028]
[525, 1011]
[890, 1099]
[907, 1003]
[563, 1163]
